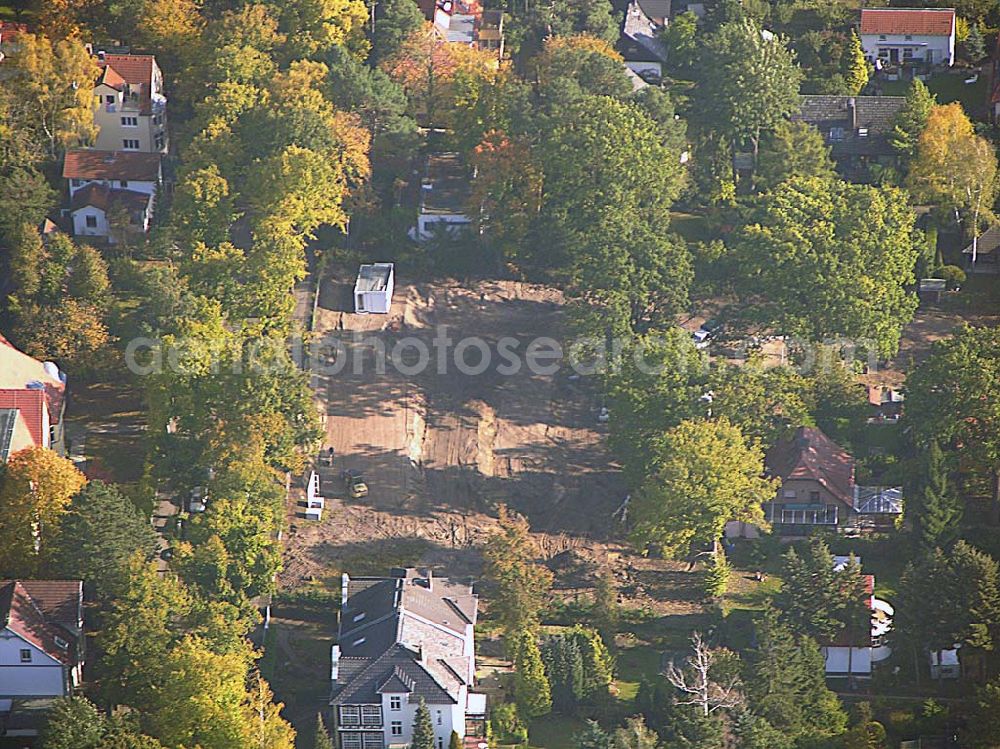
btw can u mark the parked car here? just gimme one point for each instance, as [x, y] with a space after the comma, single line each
[198, 502]
[703, 336]
[355, 482]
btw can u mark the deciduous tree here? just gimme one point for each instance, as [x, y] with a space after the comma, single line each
[37, 487]
[750, 81]
[522, 587]
[792, 149]
[705, 474]
[955, 167]
[825, 259]
[57, 78]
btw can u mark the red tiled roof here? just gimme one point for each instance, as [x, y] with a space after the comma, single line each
[10, 29]
[102, 197]
[110, 77]
[31, 404]
[133, 69]
[810, 454]
[86, 163]
[931, 22]
[31, 619]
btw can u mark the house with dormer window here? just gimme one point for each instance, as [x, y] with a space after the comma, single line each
[405, 639]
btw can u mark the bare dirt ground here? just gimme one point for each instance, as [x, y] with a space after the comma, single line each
[440, 449]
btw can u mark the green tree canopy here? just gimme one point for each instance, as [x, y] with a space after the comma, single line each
[785, 682]
[750, 81]
[792, 149]
[954, 397]
[824, 259]
[99, 535]
[705, 474]
[522, 587]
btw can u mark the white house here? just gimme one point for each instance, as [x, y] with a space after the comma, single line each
[908, 35]
[373, 289]
[41, 638]
[443, 195]
[854, 654]
[405, 639]
[130, 108]
[101, 181]
[945, 664]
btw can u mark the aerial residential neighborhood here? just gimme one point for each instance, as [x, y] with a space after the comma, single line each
[484, 374]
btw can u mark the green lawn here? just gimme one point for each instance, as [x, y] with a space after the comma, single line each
[691, 227]
[634, 665]
[948, 87]
[554, 731]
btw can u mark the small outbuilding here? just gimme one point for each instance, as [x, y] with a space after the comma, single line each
[373, 289]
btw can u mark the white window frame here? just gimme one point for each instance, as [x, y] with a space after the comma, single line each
[26, 655]
[130, 121]
[395, 702]
[372, 740]
[371, 715]
[350, 740]
[127, 147]
[87, 219]
[396, 728]
[350, 715]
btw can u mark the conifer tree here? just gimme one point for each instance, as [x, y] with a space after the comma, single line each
[323, 740]
[593, 737]
[532, 691]
[423, 730]
[939, 510]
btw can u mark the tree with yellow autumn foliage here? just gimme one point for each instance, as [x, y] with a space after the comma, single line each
[36, 488]
[954, 167]
[57, 78]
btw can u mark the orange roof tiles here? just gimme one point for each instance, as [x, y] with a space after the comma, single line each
[914, 21]
[133, 69]
[85, 163]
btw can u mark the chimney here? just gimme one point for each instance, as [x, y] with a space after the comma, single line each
[100, 55]
[852, 112]
[344, 580]
[429, 575]
[334, 662]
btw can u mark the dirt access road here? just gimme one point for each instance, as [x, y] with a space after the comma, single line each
[440, 448]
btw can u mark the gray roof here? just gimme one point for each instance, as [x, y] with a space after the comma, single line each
[988, 242]
[373, 277]
[404, 633]
[655, 9]
[640, 40]
[863, 134]
[445, 188]
[8, 420]
[397, 670]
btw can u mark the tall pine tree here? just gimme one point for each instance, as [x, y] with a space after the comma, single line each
[531, 687]
[423, 730]
[938, 508]
[323, 740]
